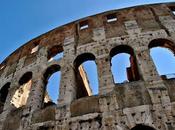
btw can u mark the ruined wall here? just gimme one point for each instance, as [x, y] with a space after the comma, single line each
[147, 101]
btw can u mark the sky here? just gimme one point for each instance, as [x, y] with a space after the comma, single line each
[23, 20]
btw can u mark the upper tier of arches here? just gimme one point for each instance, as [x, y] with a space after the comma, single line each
[82, 87]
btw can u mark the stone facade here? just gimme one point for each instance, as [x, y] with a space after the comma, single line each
[146, 102]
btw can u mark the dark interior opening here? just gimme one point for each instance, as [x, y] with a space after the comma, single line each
[142, 127]
[25, 78]
[3, 95]
[84, 25]
[111, 17]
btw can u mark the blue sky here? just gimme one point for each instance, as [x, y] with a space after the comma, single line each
[23, 20]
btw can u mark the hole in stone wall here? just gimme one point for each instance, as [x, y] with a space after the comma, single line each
[44, 128]
[21, 95]
[84, 25]
[172, 8]
[86, 75]
[111, 18]
[25, 78]
[3, 95]
[123, 64]
[35, 49]
[142, 127]
[2, 67]
[52, 78]
[55, 53]
[162, 53]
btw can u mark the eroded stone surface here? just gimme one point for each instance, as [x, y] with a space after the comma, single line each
[147, 100]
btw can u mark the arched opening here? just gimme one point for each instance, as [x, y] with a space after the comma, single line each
[86, 75]
[162, 52]
[55, 53]
[52, 78]
[3, 95]
[123, 64]
[21, 95]
[142, 127]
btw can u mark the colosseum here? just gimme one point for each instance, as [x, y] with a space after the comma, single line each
[145, 102]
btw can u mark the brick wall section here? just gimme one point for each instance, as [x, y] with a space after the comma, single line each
[148, 101]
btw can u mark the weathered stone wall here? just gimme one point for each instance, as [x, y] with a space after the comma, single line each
[148, 101]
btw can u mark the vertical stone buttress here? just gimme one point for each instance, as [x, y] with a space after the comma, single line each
[105, 78]
[106, 82]
[37, 92]
[155, 86]
[67, 84]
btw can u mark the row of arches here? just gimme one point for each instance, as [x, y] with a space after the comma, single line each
[21, 94]
[123, 65]
[20, 97]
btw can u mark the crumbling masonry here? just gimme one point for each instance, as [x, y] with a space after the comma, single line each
[145, 102]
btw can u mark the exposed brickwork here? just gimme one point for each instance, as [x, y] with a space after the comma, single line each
[148, 99]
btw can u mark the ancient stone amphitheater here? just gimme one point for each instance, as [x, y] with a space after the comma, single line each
[145, 102]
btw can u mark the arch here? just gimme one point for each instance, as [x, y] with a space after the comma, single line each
[142, 127]
[84, 76]
[55, 52]
[121, 49]
[51, 97]
[21, 95]
[50, 70]
[82, 58]
[164, 49]
[3, 95]
[161, 42]
[131, 71]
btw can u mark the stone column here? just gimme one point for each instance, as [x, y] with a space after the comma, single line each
[106, 82]
[67, 91]
[37, 92]
[7, 105]
[146, 66]
[155, 85]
